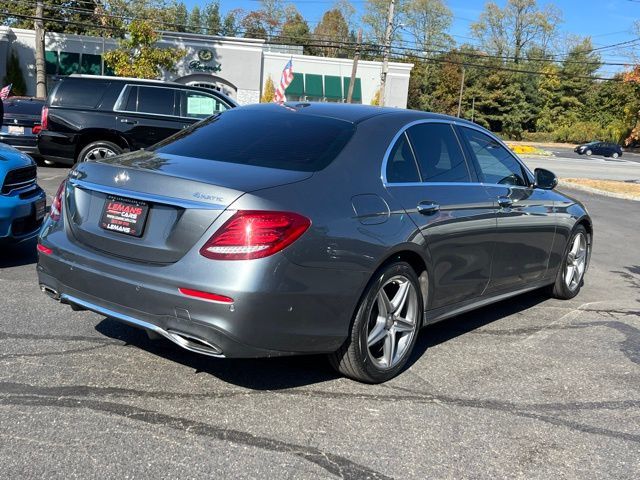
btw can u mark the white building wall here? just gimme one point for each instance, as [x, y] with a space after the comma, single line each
[369, 73]
[244, 63]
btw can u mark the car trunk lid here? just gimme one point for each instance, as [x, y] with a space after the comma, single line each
[182, 197]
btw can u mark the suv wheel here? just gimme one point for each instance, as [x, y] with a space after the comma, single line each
[385, 327]
[98, 151]
[615, 155]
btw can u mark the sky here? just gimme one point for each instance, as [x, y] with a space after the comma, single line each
[606, 21]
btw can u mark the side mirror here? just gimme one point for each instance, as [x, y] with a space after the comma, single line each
[545, 179]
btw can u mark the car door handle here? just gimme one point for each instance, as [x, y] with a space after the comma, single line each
[129, 122]
[505, 202]
[428, 208]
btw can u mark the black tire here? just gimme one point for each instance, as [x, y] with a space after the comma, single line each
[560, 289]
[353, 359]
[108, 149]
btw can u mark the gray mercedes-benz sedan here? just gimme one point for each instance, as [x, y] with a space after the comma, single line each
[310, 228]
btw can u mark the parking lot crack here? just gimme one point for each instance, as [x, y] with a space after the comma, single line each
[334, 464]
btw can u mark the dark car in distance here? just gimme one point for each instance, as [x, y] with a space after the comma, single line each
[606, 149]
[310, 228]
[90, 117]
[21, 123]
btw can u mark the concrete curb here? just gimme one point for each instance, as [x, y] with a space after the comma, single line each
[597, 191]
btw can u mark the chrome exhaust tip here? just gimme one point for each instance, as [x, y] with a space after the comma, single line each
[51, 292]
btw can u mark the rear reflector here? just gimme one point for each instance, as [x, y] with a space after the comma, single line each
[36, 129]
[253, 234]
[212, 297]
[42, 249]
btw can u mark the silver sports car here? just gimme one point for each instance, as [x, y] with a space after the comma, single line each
[310, 228]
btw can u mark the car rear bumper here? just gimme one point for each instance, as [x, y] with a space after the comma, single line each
[17, 215]
[279, 308]
[57, 147]
[27, 144]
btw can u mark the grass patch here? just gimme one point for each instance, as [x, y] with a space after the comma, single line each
[625, 188]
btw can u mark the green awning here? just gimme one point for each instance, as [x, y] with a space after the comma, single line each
[332, 87]
[313, 85]
[91, 64]
[69, 63]
[357, 88]
[51, 62]
[296, 87]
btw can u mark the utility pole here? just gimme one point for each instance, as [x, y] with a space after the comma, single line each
[354, 68]
[386, 52]
[461, 90]
[41, 79]
[473, 108]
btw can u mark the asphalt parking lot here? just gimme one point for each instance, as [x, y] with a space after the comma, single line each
[528, 388]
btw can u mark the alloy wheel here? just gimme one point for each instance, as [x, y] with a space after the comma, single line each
[99, 153]
[393, 322]
[576, 262]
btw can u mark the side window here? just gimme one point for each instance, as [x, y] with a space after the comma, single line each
[199, 105]
[438, 152]
[401, 166]
[496, 165]
[132, 100]
[156, 100]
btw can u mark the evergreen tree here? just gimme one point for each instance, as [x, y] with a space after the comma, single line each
[14, 76]
[212, 21]
[181, 20]
[195, 25]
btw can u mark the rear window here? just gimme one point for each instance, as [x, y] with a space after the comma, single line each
[284, 140]
[79, 93]
[23, 107]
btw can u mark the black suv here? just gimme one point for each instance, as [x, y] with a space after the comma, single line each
[90, 117]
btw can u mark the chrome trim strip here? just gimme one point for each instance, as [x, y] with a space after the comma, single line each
[383, 173]
[174, 337]
[148, 197]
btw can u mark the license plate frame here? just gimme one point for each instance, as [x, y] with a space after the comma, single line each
[15, 130]
[40, 209]
[125, 216]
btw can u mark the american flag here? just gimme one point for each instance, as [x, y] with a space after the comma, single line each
[4, 93]
[285, 80]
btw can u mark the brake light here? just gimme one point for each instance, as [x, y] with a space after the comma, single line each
[44, 118]
[56, 205]
[253, 234]
[36, 129]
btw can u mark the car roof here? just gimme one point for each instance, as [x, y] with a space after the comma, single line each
[123, 79]
[353, 113]
[24, 99]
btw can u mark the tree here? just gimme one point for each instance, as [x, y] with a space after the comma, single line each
[331, 33]
[273, 13]
[230, 27]
[428, 21]
[254, 25]
[14, 75]
[295, 29]
[375, 20]
[138, 56]
[181, 17]
[516, 28]
[212, 21]
[269, 91]
[195, 24]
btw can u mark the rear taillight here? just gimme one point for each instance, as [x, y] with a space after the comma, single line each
[56, 205]
[255, 234]
[36, 129]
[44, 118]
